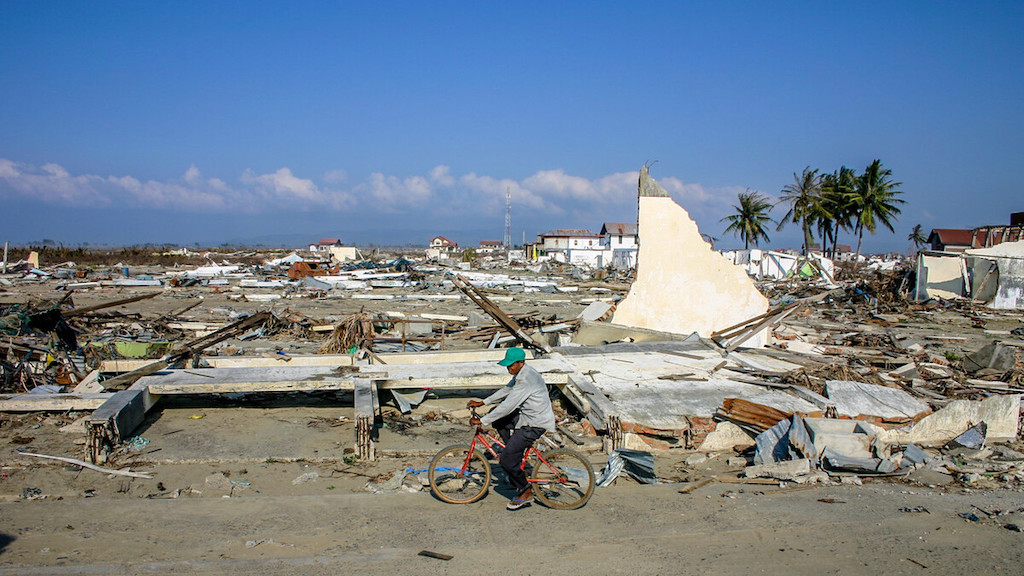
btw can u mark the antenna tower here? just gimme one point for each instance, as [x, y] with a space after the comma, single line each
[508, 218]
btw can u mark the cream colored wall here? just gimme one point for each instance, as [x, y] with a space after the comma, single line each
[940, 277]
[343, 253]
[681, 284]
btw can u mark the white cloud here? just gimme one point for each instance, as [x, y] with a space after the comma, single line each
[283, 185]
[51, 184]
[548, 193]
[192, 175]
[441, 175]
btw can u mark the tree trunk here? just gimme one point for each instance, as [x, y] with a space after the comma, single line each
[808, 238]
[835, 241]
[860, 239]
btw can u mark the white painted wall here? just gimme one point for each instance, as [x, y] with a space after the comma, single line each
[682, 285]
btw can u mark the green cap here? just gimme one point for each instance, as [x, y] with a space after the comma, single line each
[513, 355]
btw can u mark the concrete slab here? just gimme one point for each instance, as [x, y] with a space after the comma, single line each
[636, 385]
[847, 437]
[726, 436]
[265, 379]
[785, 470]
[859, 399]
[1000, 413]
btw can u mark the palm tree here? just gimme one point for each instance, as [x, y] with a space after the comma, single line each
[875, 201]
[827, 211]
[836, 198]
[917, 237]
[804, 198]
[750, 217]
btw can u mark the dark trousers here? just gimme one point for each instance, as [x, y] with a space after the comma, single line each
[511, 457]
[506, 425]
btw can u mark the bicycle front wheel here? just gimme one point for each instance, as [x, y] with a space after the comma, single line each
[563, 480]
[459, 476]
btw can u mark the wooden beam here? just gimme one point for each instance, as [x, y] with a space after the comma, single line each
[735, 341]
[499, 316]
[187, 350]
[95, 307]
[89, 384]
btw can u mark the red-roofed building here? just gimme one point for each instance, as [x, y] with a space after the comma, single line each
[324, 245]
[489, 246]
[950, 239]
[988, 236]
[332, 248]
[442, 247]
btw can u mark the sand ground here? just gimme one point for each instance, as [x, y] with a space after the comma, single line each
[268, 488]
[267, 485]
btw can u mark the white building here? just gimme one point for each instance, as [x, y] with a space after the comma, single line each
[578, 247]
[333, 248]
[619, 242]
[442, 248]
[769, 264]
[489, 247]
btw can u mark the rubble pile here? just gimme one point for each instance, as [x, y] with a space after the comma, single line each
[417, 308]
[856, 379]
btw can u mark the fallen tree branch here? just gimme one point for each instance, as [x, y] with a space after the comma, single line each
[85, 464]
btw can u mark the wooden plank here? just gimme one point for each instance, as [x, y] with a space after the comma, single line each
[734, 342]
[118, 366]
[694, 485]
[128, 378]
[201, 326]
[90, 384]
[95, 307]
[497, 314]
[52, 402]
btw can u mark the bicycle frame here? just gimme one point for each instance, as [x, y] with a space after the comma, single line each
[460, 474]
[489, 440]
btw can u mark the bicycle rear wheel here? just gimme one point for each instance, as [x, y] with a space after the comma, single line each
[565, 482]
[458, 476]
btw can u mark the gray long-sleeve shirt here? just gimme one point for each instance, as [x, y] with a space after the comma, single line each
[527, 392]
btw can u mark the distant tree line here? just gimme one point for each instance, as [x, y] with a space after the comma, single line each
[824, 204]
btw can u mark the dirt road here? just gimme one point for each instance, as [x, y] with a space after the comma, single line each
[625, 529]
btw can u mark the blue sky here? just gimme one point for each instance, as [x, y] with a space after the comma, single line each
[388, 123]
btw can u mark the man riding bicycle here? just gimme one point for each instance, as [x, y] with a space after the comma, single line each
[523, 415]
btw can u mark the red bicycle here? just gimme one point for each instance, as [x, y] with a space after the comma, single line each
[561, 478]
